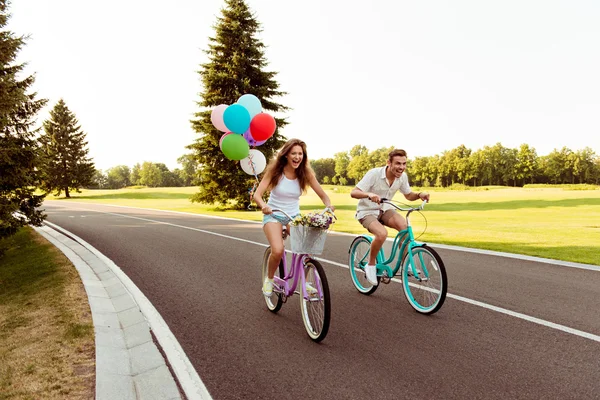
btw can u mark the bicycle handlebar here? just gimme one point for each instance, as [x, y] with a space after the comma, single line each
[327, 209]
[411, 209]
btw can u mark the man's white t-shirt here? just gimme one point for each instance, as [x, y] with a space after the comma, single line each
[375, 182]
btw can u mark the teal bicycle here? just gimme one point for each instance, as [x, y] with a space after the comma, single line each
[421, 269]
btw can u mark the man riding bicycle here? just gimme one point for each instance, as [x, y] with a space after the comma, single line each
[378, 183]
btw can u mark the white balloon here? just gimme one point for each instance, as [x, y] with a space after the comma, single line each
[255, 163]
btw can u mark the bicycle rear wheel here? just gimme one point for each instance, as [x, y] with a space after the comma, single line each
[425, 290]
[358, 258]
[275, 301]
[316, 307]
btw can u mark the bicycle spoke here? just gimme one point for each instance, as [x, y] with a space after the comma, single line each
[315, 307]
[425, 286]
[358, 259]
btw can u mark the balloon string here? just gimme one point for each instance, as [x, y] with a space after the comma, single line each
[252, 166]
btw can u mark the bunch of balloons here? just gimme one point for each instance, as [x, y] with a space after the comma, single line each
[244, 126]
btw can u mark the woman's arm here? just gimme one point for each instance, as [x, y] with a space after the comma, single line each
[314, 184]
[260, 191]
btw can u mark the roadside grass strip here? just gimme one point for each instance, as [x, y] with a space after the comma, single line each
[46, 333]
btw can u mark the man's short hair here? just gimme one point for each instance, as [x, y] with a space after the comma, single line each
[396, 153]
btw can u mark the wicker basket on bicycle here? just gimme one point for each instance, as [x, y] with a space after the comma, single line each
[307, 240]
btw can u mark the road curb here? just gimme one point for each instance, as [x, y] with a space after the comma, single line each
[129, 365]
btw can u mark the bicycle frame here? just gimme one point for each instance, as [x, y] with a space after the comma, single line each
[423, 274]
[293, 274]
[404, 242]
[315, 303]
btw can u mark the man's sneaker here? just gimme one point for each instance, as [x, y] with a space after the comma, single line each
[371, 274]
[310, 289]
[268, 287]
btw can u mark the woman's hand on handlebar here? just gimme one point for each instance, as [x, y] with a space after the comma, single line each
[329, 209]
[267, 210]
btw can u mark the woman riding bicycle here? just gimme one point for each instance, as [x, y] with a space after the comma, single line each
[287, 177]
[378, 183]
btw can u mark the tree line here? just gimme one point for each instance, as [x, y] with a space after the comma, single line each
[492, 165]
[149, 174]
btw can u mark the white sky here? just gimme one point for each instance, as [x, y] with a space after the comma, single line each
[426, 76]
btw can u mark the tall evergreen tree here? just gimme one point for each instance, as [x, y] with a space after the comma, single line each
[65, 161]
[235, 67]
[18, 148]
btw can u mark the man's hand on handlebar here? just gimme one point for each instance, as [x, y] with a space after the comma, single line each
[374, 198]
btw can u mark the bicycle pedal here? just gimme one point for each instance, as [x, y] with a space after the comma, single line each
[384, 278]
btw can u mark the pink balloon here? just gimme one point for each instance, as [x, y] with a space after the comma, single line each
[250, 139]
[216, 117]
[221, 140]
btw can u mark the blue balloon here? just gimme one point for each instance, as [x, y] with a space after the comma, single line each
[250, 103]
[236, 118]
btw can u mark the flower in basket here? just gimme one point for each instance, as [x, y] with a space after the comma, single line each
[314, 220]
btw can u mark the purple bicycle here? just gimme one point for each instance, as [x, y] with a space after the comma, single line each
[305, 276]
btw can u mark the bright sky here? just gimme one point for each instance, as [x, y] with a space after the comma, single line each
[426, 76]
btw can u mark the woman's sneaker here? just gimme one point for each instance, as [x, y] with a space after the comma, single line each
[310, 289]
[267, 288]
[371, 274]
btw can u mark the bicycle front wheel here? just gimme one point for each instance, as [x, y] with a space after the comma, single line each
[316, 305]
[358, 258]
[425, 287]
[274, 301]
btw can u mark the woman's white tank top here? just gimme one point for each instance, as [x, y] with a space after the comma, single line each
[286, 196]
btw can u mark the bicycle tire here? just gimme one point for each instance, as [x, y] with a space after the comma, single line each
[426, 296]
[275, 301]
[356, 263]
[316, 310]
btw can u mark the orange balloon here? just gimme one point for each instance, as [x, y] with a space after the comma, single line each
[262, 126]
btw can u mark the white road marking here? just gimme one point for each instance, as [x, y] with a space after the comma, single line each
[589, 267]
[501, 310]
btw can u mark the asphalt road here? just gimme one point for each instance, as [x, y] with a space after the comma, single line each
[203, 275]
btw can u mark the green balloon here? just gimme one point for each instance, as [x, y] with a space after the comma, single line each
[235, 147]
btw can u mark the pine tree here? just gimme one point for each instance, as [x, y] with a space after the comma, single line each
[18, 148]
[65, 162]
[235, 67]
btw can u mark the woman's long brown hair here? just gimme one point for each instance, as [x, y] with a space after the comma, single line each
[303, 172]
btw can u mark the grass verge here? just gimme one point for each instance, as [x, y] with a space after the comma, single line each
[46, 332]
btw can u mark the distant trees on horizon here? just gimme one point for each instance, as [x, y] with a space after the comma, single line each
[149, 174]
[492, 165]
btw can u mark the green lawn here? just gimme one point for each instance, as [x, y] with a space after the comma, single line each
[550, 222]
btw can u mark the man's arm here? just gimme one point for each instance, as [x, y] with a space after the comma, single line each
[356, 193]
[361, 191]
[412, 196]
